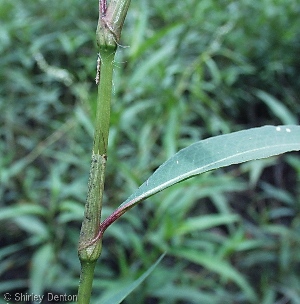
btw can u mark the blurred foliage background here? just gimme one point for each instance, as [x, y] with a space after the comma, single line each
[193, 69]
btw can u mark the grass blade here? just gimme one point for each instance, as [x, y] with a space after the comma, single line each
[118, 297]
[221, 267]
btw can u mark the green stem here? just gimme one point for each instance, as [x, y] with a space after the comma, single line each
[104, 100]
[108, 32]
[86, 282]
[88, 255]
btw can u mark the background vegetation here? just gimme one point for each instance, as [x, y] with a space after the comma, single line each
[194, 69]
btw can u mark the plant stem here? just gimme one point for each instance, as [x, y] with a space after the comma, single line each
[88, 255]
[109, 27]
[104, 100]
[86, 282]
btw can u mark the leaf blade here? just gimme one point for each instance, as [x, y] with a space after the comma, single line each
[217, 152]
[118, 297]
[221, 267]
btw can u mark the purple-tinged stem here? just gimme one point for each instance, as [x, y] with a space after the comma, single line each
[105, 224]
[102, 7]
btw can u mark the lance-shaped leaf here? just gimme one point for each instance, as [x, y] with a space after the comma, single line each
[216, 152]
[212, 153]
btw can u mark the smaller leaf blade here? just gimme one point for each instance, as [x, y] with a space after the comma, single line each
[277, 107]
[205, 222]
[121, 295]
[218, 266]
[21, 209]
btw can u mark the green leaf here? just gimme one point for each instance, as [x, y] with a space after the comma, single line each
[42, 262]
[216, 152]
[205, 222]
[12, 285]
[277, 107]
[118, 297]
[21, 209]
[219, 266]
[32, 225]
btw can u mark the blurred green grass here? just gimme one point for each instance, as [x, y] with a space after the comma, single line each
[193, 69]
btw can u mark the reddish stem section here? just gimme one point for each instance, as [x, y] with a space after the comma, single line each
[102, 7]
[105, 224]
